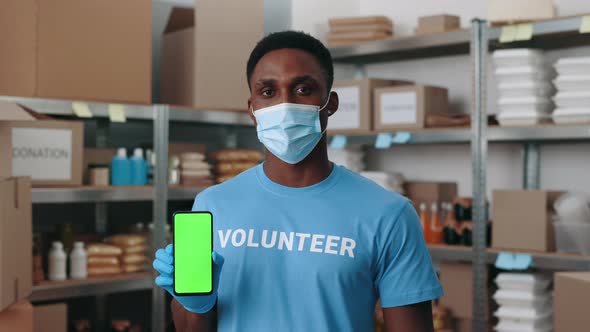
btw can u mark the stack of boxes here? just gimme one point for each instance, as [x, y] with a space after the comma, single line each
[16, 259]
[195, 171]
[525, 303]
[524, 86]
[573, 90]
[354, 30]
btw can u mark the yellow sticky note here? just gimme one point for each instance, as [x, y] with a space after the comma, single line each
[117, 113]
[585, 25]
[508, 34]
[524, 32]
[81, 109]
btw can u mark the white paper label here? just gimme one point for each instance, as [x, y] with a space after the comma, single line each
[398, 108]
[349, 113]
[42, 154]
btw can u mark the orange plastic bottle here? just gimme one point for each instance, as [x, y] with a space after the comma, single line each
[436, 227]
[425, 221]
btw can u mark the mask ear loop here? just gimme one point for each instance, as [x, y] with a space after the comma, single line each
[326, 104]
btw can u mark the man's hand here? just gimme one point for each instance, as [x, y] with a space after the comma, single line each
[164, 264]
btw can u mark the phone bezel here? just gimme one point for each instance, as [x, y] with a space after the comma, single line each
[174, 251]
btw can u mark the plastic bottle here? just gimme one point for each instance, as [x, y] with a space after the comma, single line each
[424, 220]
[78, 261]
[121, 169]
[436, 227]
[139, 168]
[57, 262]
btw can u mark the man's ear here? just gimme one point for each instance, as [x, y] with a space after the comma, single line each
[332, 106]
[251, 111]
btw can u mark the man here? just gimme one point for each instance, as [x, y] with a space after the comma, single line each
[302, 244]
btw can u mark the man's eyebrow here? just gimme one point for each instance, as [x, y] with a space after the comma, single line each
[303, 78]
[266, 82]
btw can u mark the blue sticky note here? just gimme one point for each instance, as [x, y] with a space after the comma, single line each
[338, 142]
[402, 137]
[383, 140]
[512, 261]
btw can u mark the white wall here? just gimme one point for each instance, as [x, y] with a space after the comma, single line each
[563, 166]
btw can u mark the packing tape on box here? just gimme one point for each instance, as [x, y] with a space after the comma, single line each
[338, 142]
[385, 140]
[117, 113]
[512, 261]
[82, 110]
[585, 24]
[524, 32]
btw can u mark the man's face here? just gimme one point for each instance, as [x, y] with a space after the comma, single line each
[290, 76]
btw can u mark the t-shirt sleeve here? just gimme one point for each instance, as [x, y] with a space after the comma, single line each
[405, 274]
[200, 203]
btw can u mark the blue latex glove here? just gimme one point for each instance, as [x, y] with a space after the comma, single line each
[164, 264]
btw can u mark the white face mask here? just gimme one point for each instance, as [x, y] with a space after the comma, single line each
[289, 131]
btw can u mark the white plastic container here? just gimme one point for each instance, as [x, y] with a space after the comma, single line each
[57, 262]
[78, 262]
[572, 237]
[522, 119]
[573, 66]
[523, 74]
[574, 82]
[518, 57]
[516, 299]
[575, 99]
[525, 282]
[526, 89]
[507, 326]
[571, 115]
[522, 315]
[525, 105]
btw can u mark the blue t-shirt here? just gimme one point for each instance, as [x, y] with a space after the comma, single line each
[315, 258]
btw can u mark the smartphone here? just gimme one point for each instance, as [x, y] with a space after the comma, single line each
[193, 245]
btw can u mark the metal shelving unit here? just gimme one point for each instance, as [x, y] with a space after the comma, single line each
[108, 194]
[547, 261]
[52, 291]
[477, 42]
[495, 134]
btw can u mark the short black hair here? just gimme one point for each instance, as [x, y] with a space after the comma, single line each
[297, 40]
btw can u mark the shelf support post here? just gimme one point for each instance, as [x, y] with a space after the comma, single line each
[160, 213]
[479, 146]
[532, 166]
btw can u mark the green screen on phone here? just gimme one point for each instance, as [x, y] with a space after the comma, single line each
[193, 244]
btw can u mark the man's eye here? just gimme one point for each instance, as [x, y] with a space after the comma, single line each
[267, 92]
[303, 90]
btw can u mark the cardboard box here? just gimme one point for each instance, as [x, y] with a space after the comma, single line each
[438, 23]
[513, 11]
[50, 318]
[522, 219]
[355, 109]
[406, 107]
[96, 157]
[77, 49]
[49, 151]
[457, 282]
[571, 301]
[17, 318]
[204, 60]
[16, 233]
[430, 192]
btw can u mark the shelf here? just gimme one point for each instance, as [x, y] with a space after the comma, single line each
[548, 34]
[495, 134]
[134, 111]
[51, 291]
[548, 261]
[432, 45]
[108, 194]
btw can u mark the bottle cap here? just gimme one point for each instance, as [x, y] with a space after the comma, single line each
[434, 207]
[79, 244]
[57, 245]
[138, 153]
[122, 153]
